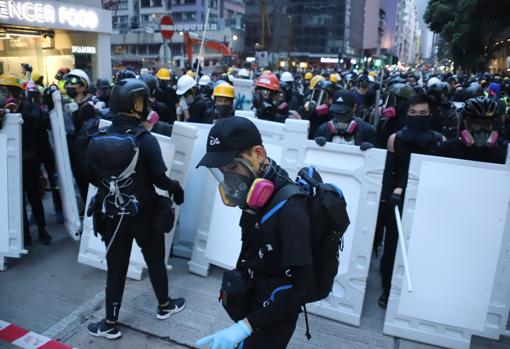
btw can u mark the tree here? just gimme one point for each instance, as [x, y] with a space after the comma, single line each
[469, 27]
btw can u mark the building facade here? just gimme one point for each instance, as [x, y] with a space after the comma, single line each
[137, 41]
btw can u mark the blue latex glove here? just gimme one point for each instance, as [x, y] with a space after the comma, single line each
[227, 338]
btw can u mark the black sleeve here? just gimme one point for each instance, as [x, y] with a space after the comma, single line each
[150, 152]
[322, 131]
[369, 134]
[402, 160]
[286, 302]
[163, 182]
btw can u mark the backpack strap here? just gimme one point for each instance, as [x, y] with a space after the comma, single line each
[128, 171]
[280, 199]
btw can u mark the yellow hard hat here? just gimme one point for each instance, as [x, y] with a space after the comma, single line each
[308, 76]
[315, 80]
[191, 73]
[163, 74]
[230, 70]
[11, 80]
[224, 90]
[373, 74]
[36, 77]
[333, 78]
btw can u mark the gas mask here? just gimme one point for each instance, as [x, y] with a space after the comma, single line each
[342, 124]
[479, 134]
[71, 91]
[243, 190]
[262, 100]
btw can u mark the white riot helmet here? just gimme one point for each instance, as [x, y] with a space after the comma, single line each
[433, 81]
[80, 74]
[287, 77]
[184, 84]
[243, 73]
[203, 81]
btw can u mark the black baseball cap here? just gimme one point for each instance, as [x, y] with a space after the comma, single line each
[343, 102]
[227, 138]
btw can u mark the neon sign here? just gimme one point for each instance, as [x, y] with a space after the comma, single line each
[31, 12]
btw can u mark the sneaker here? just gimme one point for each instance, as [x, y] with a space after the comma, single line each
[174, 306]
[104, 329]
[44, 237]
[383, 300]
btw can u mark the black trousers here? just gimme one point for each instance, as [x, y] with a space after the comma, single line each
[153, 250]
[390, 245]
[274, 337]
[32, 190]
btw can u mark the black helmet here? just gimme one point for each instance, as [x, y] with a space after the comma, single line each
[479, 107]
[439, 91]
[151, 82]
[402, 91]
[124, 74]
[102, 83]
[47, 96]
[124, 94]
[474, 90]
[327, 86]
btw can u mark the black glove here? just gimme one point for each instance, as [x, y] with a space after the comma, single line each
[395, 199]
[176, 192]
[320, 141]
[365, 146]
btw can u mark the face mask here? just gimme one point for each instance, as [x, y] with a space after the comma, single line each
[71, 92]
[418, 123]
[163, 85]
[223, 111]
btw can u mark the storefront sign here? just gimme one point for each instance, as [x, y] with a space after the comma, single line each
[50, 14]
[190, 27]
[91, 50]
[329, 60]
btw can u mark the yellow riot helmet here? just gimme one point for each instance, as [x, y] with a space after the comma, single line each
[315, 80]
[308, 76]
[11, 80]
[163, 74]
[333, 78]
[224, 90]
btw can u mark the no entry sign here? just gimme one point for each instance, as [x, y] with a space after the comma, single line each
[166, 27]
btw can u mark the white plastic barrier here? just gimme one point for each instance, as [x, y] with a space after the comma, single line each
[244, 93]
[176, 152]
[11, 191]
[245, 113]
[359, 175]
[187, 226]
[218, 240]
[65, 175]
[456, 223]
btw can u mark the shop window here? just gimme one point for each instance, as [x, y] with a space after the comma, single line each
[118, 49]
[145, 3]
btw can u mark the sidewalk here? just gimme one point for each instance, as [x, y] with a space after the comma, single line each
[48, 292]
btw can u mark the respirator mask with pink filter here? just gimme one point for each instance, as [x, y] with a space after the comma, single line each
[240, 186]
[479, 133]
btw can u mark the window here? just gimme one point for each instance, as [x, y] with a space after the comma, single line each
[132, 49]
[118, 49]
[146, 18]
[123, 5]
[119, 21]
[142, 49]
[146, 3]
[154, 49]
[157, 3]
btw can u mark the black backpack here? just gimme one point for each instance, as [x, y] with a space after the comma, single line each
[113, 158]
[329, 221]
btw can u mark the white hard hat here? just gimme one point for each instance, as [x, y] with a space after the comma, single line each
[244, 73]
[371, 78]
[287, 77]
[184, 84]
[80, 74]
[432, 81]
[204, 80]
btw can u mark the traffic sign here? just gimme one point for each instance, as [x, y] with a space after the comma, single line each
[166, 27]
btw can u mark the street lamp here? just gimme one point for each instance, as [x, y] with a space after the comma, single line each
[235, 37]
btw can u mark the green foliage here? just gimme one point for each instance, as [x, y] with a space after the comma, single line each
[469, 28]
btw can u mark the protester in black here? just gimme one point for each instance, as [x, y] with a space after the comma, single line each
[281, 276]
[129, 102]
[415, 137]
[478, 139]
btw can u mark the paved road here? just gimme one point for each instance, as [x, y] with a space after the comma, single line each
[48, 292]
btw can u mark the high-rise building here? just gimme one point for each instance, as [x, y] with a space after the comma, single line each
[305, 30]
[426, 34]
[137, 41]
